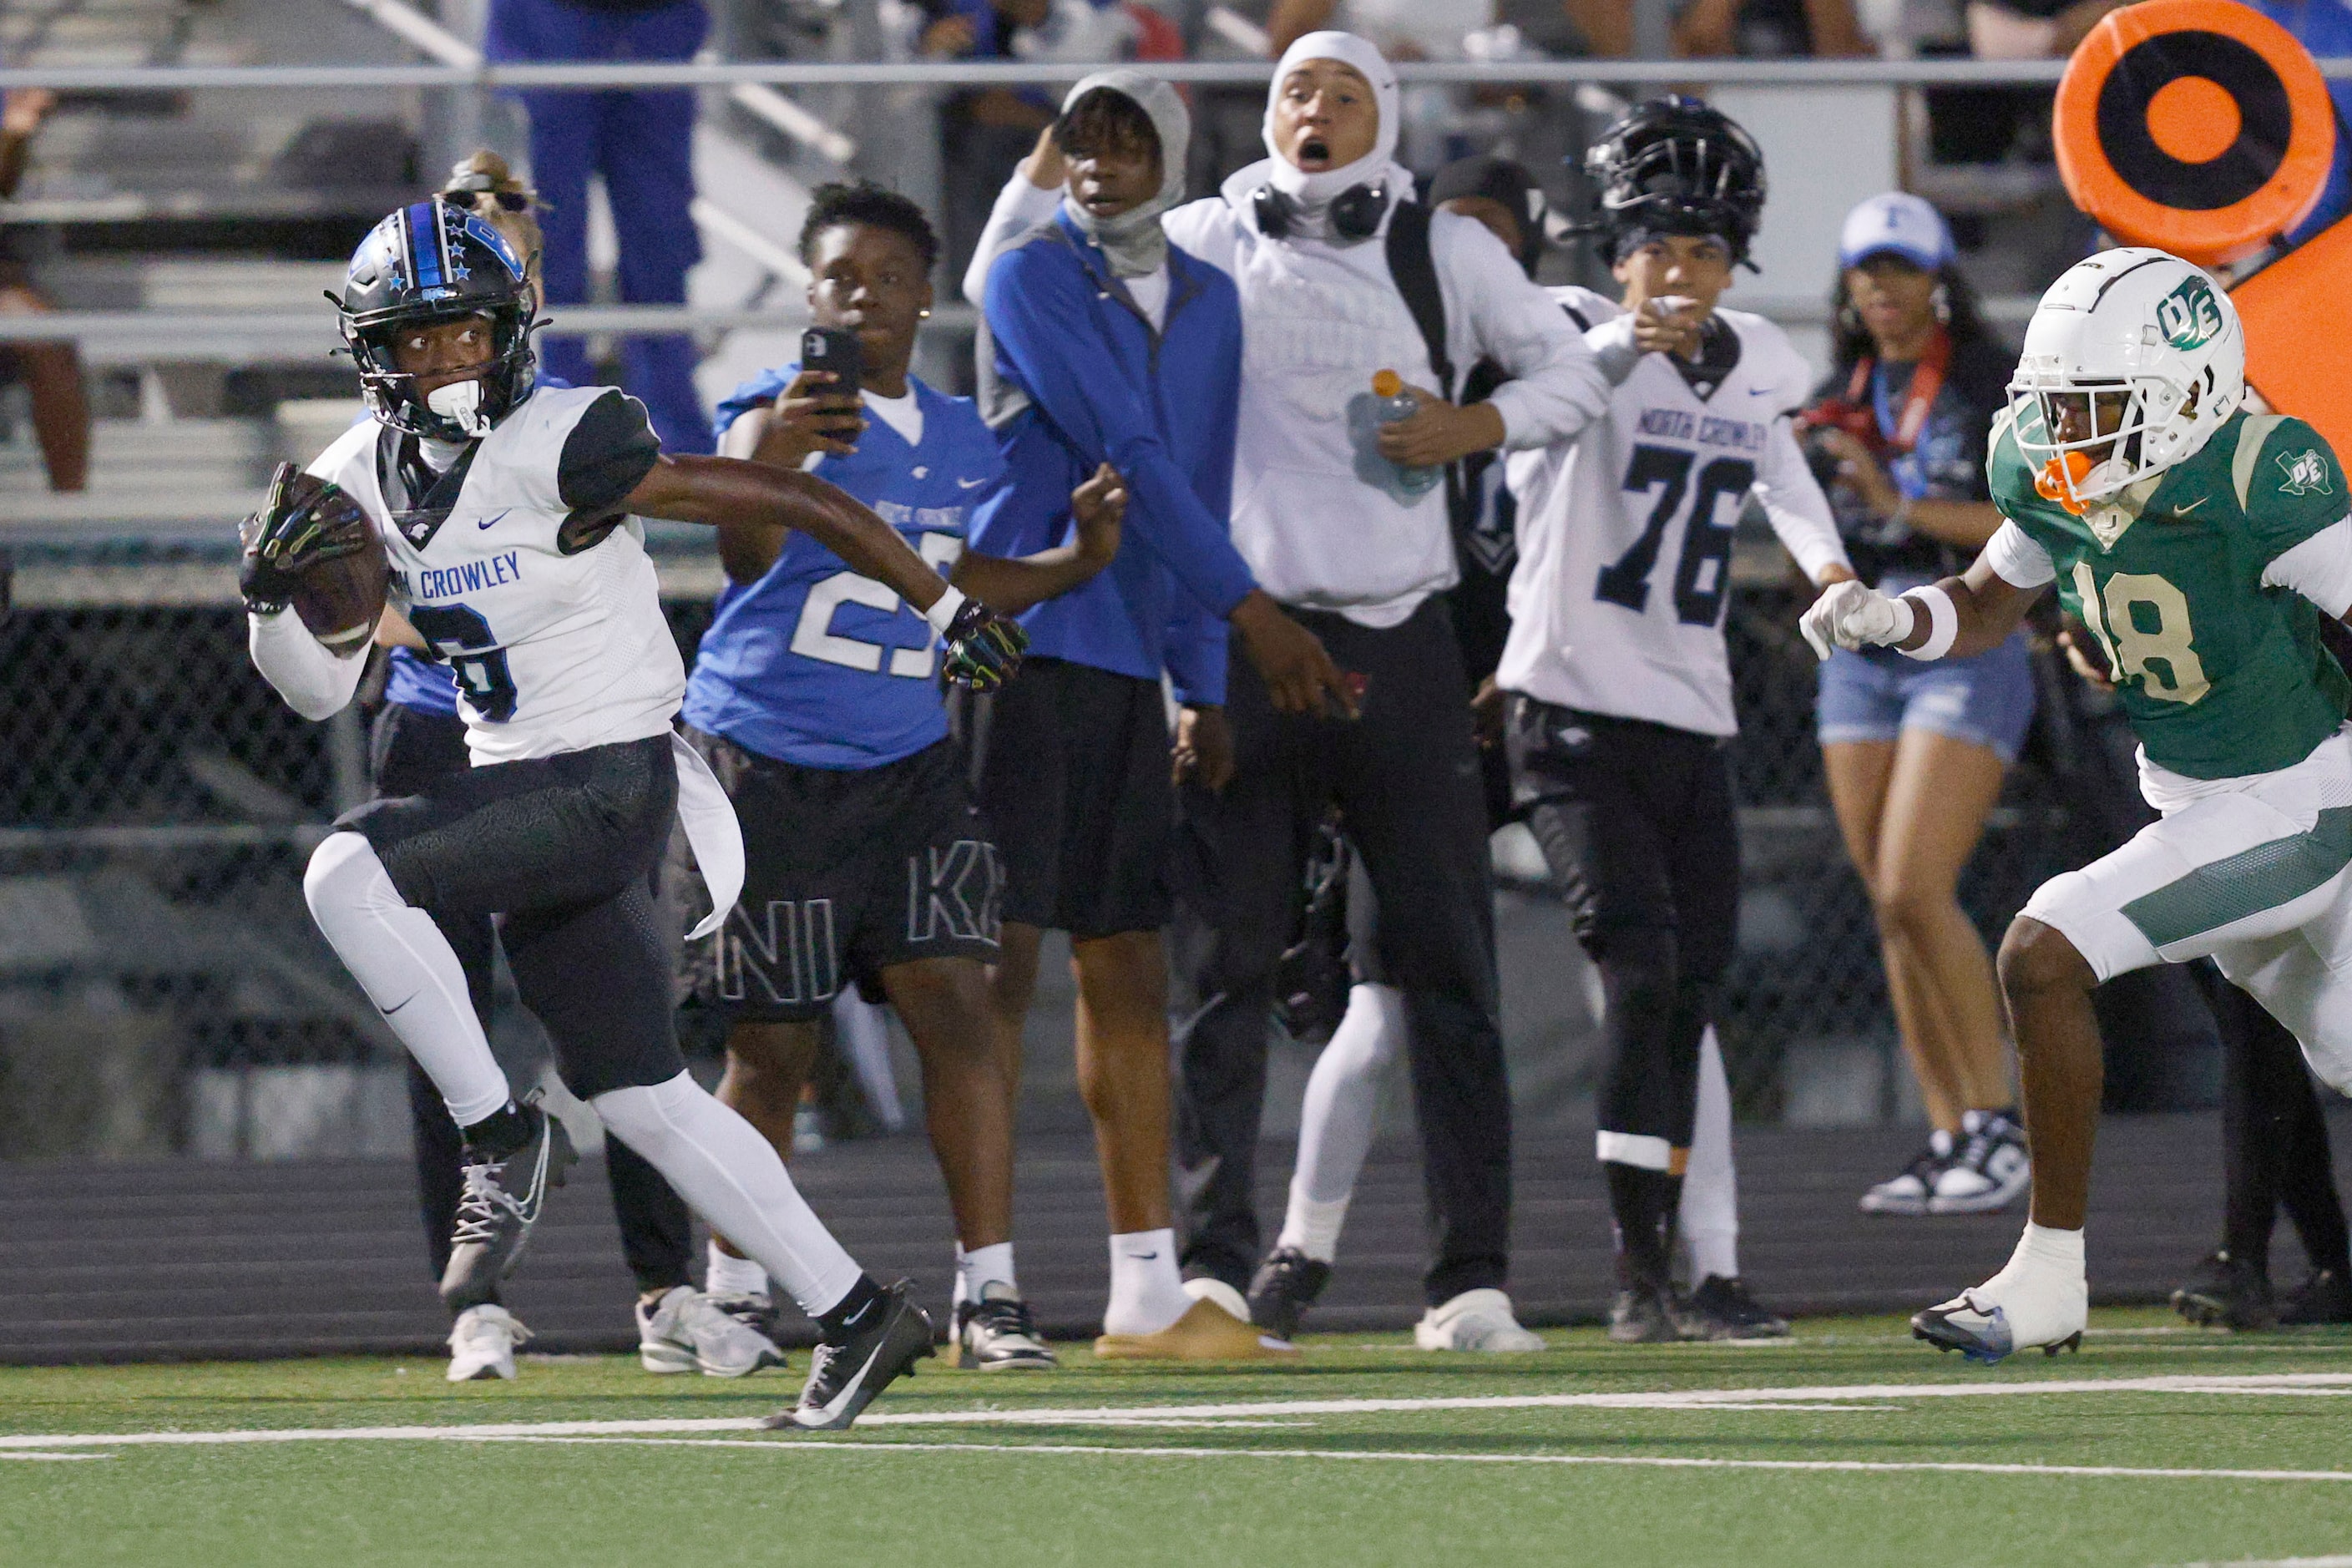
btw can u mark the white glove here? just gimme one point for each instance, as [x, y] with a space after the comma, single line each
[1849, 614]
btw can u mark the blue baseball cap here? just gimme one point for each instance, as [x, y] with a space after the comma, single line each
[1898, 224]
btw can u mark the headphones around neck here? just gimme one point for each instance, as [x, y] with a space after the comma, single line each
[1355, 211]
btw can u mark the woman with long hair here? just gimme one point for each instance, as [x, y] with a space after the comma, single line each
[1914, 752]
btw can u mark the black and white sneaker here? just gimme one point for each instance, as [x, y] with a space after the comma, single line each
[1646, 1313]
[1908, 1192]
[845, 1376]
[2229, 1292]
[2324, 1297]
[996, 1333]
[1992, 1170]
[505, 1186]
[1723, 1308]
[755, 1310]
[1286, 1285]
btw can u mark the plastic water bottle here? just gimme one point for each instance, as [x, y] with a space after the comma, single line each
[1388, 403]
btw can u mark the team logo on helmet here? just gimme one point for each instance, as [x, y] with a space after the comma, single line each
[2305, 472]
[2189, 316]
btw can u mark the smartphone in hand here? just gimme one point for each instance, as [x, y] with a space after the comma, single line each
[835, 350]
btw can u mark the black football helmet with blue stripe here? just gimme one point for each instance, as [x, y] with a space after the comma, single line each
[431, 262]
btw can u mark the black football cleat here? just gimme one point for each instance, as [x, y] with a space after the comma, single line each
[1723, 1308]
[845, 1376]
[505, 1189]
[2229, 1292]
[1286, 1285]
[1645, 1312]
[2324, 1297]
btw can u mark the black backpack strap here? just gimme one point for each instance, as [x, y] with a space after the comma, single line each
[1414, 271]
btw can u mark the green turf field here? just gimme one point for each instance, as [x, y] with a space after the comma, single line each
[1852, 1446]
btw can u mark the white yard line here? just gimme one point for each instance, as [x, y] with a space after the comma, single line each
[1633, 1461]
[1257, 1412]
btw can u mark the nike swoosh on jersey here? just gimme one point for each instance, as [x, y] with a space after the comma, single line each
[493, 522]
[971, 484]
[2192, 506]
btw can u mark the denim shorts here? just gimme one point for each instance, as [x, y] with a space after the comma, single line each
[1875, 695]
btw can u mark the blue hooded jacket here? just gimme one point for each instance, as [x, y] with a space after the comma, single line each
[1080, 377]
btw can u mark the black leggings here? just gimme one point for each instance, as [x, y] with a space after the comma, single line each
[2275, 1150]
[1637, 824]
[412, 750]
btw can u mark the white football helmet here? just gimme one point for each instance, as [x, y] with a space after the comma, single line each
[2155, 334]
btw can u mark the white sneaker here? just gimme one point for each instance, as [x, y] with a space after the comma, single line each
[482, 1343]
[1912, 1190]
[686, 1330]
[1474, 1321]
[2016, 1310]
[1991, 1171]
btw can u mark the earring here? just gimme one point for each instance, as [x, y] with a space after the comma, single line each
[1941, 302]
[923, 315]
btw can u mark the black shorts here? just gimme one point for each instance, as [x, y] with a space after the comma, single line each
[847, 871]
[564, 850]
[1074, 785]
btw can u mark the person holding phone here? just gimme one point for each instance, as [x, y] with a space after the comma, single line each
[815, 698]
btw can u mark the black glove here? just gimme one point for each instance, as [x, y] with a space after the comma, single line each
[985, 649]
[305, 521]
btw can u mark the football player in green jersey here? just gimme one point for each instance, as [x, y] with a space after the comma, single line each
[2200, 543]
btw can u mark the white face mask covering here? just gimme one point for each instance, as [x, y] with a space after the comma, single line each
[1313, 191]
[460, 403]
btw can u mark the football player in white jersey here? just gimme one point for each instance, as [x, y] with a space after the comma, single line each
[509, 519]
[1617, 681]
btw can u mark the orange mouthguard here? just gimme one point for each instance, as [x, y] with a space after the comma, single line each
[2057, 478]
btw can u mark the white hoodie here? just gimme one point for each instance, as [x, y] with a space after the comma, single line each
[1318, 319]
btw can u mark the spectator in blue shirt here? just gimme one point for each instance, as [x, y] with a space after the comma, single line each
[815, 697]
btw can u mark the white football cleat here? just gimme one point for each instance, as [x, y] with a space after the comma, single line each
[2016, 1310]
[1474, 1321]
[687, 1331]
[482, 1343]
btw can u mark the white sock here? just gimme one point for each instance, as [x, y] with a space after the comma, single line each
[2041, 1291]
[408, 970]
[1339, 1117]
[734, 1179]
[2042, 1250]
[731, 1276]
[1146, 1292]
[1710, 1217]
[977, 1270]
[1312, 1228]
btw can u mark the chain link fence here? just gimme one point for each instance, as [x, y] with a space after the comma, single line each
[163, 991]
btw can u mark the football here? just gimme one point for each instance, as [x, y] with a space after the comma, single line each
[339, 598]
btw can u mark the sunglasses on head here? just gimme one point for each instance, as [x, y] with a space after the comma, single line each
[510, 201]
